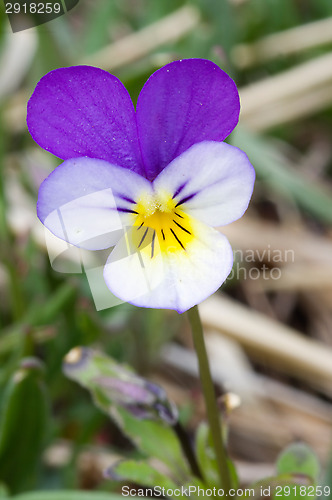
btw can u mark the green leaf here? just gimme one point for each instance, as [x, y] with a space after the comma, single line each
[155, 439]
[140, 473]
[204, 454]
[115, 383]
[207, 460]
[23, 426]
[298, 470]
[51, 309]
[136, 405]
[297, 459]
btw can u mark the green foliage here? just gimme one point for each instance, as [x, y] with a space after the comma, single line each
[297, 476]
[140, 473]
[154, 439]
[23, 426]
[97, 34]
[205, 456]
[298, 459]
[207, 461]
[137, 406]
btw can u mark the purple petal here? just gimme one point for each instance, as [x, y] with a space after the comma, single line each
[85, 111]
[181, 104]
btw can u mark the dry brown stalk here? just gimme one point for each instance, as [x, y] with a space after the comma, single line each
[287, 84]
[288, 109]
[271, 342]
[284, 43]
[141, 43]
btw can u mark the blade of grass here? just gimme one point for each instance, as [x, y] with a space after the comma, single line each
[280, 176]
[139, 44]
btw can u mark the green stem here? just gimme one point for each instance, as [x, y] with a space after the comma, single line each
[213, 413]
[187, 450]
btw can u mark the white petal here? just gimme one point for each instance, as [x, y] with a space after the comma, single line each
[84, 202]
[170, 280]
[214, 179]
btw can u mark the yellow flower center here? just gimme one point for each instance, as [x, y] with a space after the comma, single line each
[161, 224]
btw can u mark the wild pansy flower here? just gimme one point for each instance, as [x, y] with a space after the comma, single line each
[161, 174]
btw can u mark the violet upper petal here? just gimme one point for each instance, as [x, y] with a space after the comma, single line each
[183, 103]
[85, 111]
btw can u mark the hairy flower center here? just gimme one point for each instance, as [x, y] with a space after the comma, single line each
[160, 224]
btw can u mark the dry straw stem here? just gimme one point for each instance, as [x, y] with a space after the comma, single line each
[300, 415]
[296, 83]
[271, 414]
[286, 84]
[271, 342]
[133, 47]
[306, 259]
[268, 429]
[301, 91]
[320, 312]
[16, 57]
[283, 44]
[15, 111]
[289, 109]
[298, 277]
[232, 370]
[289, 241]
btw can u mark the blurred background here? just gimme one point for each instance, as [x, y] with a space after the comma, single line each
[268, 331]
